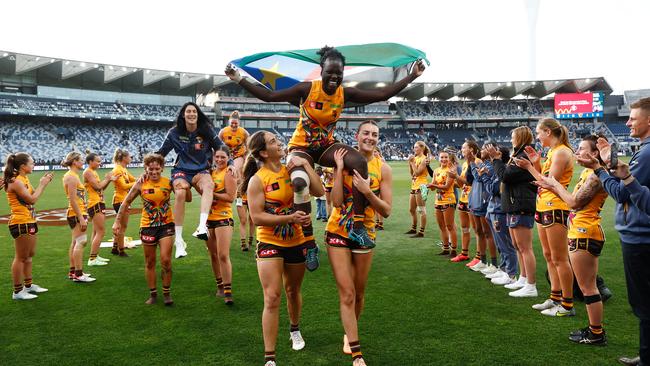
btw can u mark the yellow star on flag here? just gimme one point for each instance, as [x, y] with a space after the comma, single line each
[270, 75]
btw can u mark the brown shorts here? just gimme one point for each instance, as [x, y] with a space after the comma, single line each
[415, 191]
[116, 207]
[314, 153]
[290, 255]
[152, 235]
[444, 207]
[338, 241]
[220, 223]
[73, 221]
[463, 206]
[594, 247]
[548, 218]
[17, 230]
[98, 208]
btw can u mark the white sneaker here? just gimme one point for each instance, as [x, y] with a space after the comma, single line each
[35, 289]
[359, 362]
[23, 295]
[559, 310]
[478, 266]
[496, 274]
[96, 262]
[269, 363]
[84, 278]
[504, 280]
[547, 304]
[180, 245]
[201, 232]
[527, 291]
[489, 269]
[103, 259]
[521, 282]
[297, 343]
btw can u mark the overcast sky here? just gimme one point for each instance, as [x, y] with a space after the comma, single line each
[464, 40]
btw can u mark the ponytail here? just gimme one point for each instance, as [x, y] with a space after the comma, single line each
[250, 168]
[12, 166]
[119, 155]
[558, 130]
[256, 144]
[70, 158]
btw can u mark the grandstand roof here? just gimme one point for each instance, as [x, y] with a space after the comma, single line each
[18, 70]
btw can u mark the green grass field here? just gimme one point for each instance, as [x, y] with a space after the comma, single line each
[420, 308]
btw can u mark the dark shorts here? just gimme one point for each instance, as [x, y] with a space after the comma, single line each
[116, 207]
[337, 241]
[186, 175]
[73, 221]
[463, 206]
[516, 220]
[220, 223]
[152, 235]
[328, 189]
[444, 207]
[478, 213]
[594, 247]
[98, 208]
[314, 154]
[548, 218]
[415, 191]
[17, 230]
[290, 255]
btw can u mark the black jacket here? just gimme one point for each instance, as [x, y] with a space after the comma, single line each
[518, 193]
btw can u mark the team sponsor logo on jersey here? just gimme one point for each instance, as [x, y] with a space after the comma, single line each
[150, 191]
[316, 105]
[581, 230]
[265, 253]
[273, 187]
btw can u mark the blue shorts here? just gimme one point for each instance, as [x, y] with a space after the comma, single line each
[514, 220]
[186, 175]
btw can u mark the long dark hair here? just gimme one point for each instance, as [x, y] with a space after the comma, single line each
[204, 125]
[12, 166]
[256, 144]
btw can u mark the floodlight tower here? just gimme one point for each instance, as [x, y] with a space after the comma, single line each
[532, 10]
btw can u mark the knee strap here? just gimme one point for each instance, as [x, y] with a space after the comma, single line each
[465, 230]
[80, 240]
[592, 299]
[300, 182]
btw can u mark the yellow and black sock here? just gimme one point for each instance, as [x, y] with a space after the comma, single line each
[227, 292]
[18, 287]
[219, 282]
[421, 231]
[556, 295]
[78, 272]
[166, 290]
[596, 329]
[269, 356]
[93, 256]
[28, 282]
[355, 347]
[243, 242]
[478, 256]
[567, 303]
[153, 292]
[464, 252]
[250, 241]
[71, 272]
[294, 328]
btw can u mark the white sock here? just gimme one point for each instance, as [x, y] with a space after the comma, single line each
[179, 232]
[523, 279]
[203, 219]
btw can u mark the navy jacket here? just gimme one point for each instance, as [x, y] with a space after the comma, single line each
[631, 220]
[194, 152]
[478, 197]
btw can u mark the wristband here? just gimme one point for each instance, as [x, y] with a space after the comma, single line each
[629, 179]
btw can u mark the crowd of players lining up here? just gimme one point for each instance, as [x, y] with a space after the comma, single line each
[502, 194]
